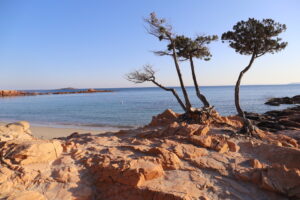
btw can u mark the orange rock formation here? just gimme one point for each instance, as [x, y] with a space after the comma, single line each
[167, 159]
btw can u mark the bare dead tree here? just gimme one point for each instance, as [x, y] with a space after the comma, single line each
[147, 74]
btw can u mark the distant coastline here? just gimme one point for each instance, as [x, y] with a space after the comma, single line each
[12, 93]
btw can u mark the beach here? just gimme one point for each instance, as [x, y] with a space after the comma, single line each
[47, 132]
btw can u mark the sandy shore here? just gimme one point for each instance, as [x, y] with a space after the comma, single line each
[45, 132]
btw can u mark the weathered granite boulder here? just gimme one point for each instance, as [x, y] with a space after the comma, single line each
[165, 118]
[18, 130]
[24, 152]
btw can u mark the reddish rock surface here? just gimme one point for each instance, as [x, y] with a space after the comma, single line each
[168, 159]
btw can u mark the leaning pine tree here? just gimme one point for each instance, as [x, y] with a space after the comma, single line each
[163, 31]
[188, 49]
[255, 38]
[180, 48]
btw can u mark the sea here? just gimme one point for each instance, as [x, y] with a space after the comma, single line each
[131, 107]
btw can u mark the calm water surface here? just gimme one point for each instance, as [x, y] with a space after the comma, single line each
[130, 107]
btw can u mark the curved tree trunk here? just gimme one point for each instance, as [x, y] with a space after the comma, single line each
[174, 93]
[199, 95]
[248, 127]
[237, 88]
[186, 97]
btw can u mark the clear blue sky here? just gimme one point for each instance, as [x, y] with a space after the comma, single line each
[93, 43]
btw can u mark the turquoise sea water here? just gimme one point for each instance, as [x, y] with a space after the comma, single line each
[130, 107]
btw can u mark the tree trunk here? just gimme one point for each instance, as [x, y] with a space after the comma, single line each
[199, 95]
[174, 93]
[237, 88]
[186, 97]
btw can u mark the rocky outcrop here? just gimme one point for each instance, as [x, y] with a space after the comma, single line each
[284, 100]
[274, 121]
[167, 159]
[25, 152]
[19, 130]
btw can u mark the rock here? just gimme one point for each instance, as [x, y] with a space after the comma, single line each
[165, 118]
[188, 151]
[185, 129]
[132, 173]
[275, 121]
[283, 180]
[174, 159]
[5, 180]
[279, 139]
[284, 100]
[202, 130]
[204, 141]
[233, 146]
[27, 195]
[207, 141]
[233, 121]
[18, 130]
[66, 174]
[170, 161]
[220, 146]
[275, 179]
[24, 124]
[275, 154]
[212, 161]
[26, 152]
[255, 163]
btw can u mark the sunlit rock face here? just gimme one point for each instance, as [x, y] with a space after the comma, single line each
[18, 130]
[167, 159]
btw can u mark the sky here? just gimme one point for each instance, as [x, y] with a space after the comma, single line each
[94, 43]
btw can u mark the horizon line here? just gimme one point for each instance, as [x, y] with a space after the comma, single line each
[157, 87]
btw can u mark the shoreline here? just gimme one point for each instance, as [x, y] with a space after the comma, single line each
[52, 131]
